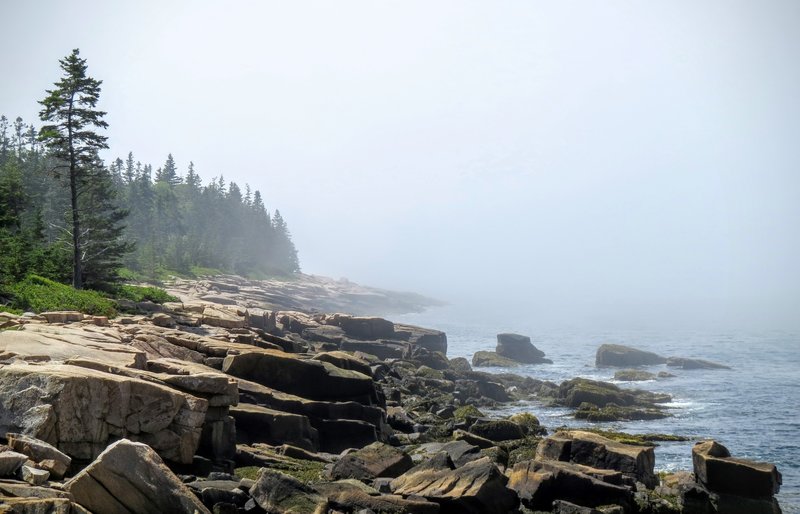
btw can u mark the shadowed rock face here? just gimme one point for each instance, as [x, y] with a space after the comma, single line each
[313, 379]
[593, 450]
[78, 410]
[539, 483]
[719, 472]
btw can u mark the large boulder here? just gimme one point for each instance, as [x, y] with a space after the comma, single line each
[433, 340]
[278, 493]
[484, 358]
[720, 473]
[497, 429]
[79, 410]
[601, 401]
[130, 478]
[366, 328]
[476, 487]
[46, 456]
[540, 483]
[596, 451]
[617, 355]
[519, 348]
[376, 460]
[345, 360]
[312, 379]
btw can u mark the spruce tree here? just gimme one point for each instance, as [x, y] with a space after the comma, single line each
[71, 117]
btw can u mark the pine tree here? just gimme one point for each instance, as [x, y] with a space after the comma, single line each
[71, 117]
[192, 178]
[169, 173]
[284, 252]
[5, 142]
[130, 169]
[103, 243]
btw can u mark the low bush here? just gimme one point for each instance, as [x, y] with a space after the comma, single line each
[144, 293]
[40, 294]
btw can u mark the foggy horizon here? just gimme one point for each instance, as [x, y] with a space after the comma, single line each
[618, 166]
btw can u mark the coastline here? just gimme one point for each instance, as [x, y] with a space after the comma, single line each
[304, 390]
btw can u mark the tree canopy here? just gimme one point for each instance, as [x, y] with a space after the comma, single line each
[68, 216]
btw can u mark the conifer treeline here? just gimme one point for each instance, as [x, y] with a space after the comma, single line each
[173, 222]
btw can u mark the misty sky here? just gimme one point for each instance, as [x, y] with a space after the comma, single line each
[576, 163]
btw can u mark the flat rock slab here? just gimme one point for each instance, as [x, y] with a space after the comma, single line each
[130, 478]
[475, 487]
[42, 343]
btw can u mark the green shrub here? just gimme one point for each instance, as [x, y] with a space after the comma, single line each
[40, 294]
[141, 294]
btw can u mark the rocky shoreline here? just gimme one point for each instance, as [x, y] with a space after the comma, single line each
[239, 398]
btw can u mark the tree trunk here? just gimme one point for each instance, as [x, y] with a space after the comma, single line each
[77, 272]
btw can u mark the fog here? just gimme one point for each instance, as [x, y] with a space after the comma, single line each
[587, 164]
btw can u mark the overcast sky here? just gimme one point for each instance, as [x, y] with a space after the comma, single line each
[578, 163]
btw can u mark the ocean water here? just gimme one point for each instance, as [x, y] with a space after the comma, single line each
[753, 409]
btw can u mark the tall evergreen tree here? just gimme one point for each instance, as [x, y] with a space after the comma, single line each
[71, 117]
[169, 173]
[103, 242]
[284, 252]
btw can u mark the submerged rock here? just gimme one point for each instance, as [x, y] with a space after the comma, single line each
[684, 363]
[633, 375]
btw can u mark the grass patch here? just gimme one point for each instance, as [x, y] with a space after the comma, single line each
[144, 293]
[250, 472]
[40, 294]
[637, 439]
